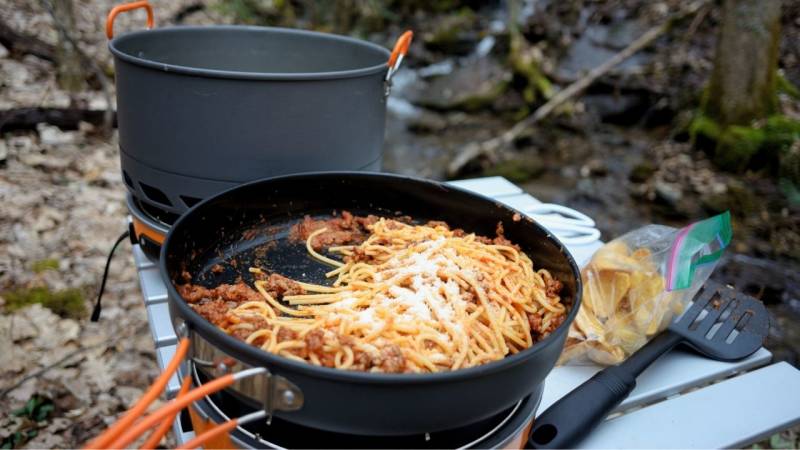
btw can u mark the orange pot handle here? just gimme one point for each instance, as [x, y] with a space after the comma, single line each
[127, 7]
[400, 48]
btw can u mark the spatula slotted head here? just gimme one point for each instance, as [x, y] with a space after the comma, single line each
[723, 323]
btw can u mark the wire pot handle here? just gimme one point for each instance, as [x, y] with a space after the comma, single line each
[124, 8]
[399, 52]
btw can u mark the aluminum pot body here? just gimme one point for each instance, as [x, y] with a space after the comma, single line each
[202, 109]
[349, 401]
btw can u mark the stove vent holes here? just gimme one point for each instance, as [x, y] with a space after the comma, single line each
[189, 201]
[155, 194]
[128, 180]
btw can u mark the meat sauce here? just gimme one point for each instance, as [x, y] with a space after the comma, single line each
[214, 303]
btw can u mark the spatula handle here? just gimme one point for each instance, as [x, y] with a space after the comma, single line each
[571, 418]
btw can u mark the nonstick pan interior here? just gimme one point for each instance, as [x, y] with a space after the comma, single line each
[221, 238]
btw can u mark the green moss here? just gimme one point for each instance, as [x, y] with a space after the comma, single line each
[779, 133]
[517, 170]
[737, 145]
[44, 264]
[734, 146]
[703, 126]
[66, 303]
[447, 35]
[786, 87]
[790, 165]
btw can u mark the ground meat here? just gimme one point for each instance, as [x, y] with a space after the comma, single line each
[214, 311]
[285, 334]
[359, 255]
[217, 268]
[314, 340]
[237, 293]
[393, 360]
[344, 230]
[362, 361]
[258, 323]
[537, 330]
[278, 286]
[553, 287]
[535, 321]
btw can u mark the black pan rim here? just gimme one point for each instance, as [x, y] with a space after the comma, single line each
[241, 75]
[234, 347]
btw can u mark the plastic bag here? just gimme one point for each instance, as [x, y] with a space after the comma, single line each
[635, 285]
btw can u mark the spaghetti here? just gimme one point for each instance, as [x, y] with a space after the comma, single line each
[408, 298]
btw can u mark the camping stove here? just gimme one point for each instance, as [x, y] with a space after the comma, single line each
[508, 429]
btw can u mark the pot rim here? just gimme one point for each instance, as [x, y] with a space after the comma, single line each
[256, 356]
[113, 46]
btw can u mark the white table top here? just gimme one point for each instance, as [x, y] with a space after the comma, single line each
[682, 401]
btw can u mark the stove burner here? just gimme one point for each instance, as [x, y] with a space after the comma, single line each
[494, 432]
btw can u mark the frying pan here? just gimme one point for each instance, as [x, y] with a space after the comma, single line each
[248, 226]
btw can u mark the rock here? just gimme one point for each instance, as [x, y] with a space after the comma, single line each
[52, 135]
[522, 168]
[669, 193]
[418, 120]
[472, 86]
[622, 109]
[598, 44]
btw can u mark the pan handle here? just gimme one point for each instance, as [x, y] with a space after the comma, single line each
[128, 7]
[399, 52]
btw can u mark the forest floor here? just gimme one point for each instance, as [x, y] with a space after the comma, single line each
[618, 153]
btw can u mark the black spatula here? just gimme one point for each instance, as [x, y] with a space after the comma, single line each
[721, 324]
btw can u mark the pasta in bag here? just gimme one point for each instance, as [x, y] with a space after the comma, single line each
[635, 285]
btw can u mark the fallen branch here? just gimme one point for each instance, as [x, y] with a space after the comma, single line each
[20, 44]
[490, 149]
[64, 118]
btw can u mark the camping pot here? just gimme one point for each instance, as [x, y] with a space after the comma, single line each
[204, 108]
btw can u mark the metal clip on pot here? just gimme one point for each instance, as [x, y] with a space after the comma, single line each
[396, 58]
[277, 392]
[128, 7]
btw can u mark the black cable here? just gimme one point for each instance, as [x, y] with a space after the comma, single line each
[97, 307]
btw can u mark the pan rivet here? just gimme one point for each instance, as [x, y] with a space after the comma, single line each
[288, 397]
[222, 368]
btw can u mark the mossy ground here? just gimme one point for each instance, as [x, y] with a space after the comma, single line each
[68, 303]
[736, 147]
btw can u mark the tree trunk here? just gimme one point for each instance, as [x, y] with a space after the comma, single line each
[71, 73]
[743, 82]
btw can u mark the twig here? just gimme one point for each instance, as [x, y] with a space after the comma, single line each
[105, 84]
[490, 148]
